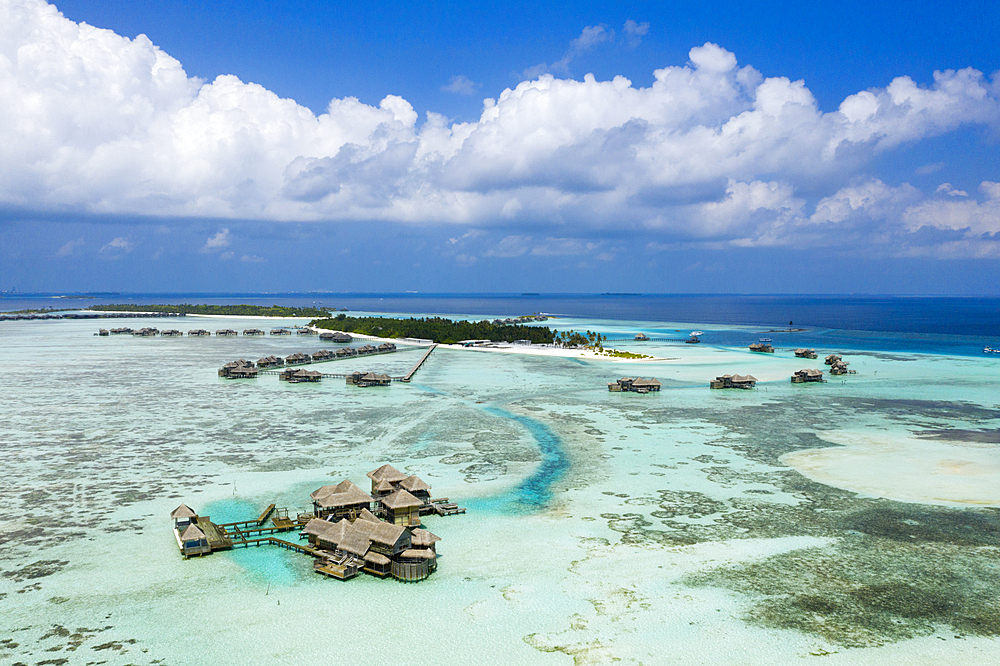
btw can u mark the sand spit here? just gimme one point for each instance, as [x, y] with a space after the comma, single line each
[906, 469]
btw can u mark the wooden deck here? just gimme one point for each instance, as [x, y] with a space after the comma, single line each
[443, 507]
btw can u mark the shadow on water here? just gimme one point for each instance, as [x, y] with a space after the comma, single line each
[534, 492]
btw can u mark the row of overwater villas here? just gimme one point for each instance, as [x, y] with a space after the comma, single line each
[242, 369]
[634, 385]
[148, 332]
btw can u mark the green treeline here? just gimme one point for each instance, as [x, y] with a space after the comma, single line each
[437, 329]
[234, 310]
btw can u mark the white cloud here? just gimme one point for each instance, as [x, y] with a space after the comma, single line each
[710, 151]
[69, 248]
[928, 169]
[591, 36]
[950, 191]
[252, 259]
[634, 32]
[217, 242]
[116, 248]
[461, 85]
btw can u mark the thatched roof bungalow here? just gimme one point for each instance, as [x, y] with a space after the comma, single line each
[402, 508]
[198, 333]
[807, 376]
[323, 355]
[634, 385]
[805, 353]
[762, 347]
[252, 332]
[734, 381]
[300, 375]
[270, 362]
[344, 500]
[193, 541]
[298, 358]
[226, 332]
[280, 331]
[342, 338]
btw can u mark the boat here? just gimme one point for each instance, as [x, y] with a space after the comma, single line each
[697, 334]
[990, 350]
[765, 340]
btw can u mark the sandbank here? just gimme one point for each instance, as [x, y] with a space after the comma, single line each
[905, 468]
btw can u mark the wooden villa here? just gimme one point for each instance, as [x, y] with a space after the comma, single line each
[366, 349]
[634, 385]
[146, 332]
[326, 335]
[344, 500]
[191, 539]
[831, 359]
[280, 331]
[121, 331]
[323, 355]
[807, 376]
[298, 358]
[342, 338]
[387, 347]
[252, 332]
[345, 352]
[733, 381]
[103, 332]
[805, 353]
[374, 546]
[839, 367]
[641, 337]
[300, 375]
[271, 362]
[764, 347]
[198, 333]
[226, 333]
[368, 379]
[305, 331]
[239, 369]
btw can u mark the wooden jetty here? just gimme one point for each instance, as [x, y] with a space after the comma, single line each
[442, 507]
[409, 375]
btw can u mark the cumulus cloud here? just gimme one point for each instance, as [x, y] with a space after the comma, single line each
[116, 248]
[709, 152]
[461, 85]
[217, 242]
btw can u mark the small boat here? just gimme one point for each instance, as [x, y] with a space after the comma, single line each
[990, 350]
[696, 334]
[765, 340]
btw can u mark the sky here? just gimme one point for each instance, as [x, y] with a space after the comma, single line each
[500, 147]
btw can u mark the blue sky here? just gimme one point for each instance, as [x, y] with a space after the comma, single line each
[647, 147]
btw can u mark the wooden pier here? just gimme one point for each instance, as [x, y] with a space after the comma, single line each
[407, 376]
[442, 507]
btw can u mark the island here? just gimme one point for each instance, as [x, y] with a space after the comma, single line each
[227, 310]
[438, 329]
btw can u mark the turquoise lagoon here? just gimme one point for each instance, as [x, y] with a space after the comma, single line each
[852, 522]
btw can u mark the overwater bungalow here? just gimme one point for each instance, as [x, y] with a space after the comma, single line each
[641, 337]
[103, 332]
[305, 331]
[839, 367]
[121, 331]
[764, 347]
[805, 353]
[402, 508]
[831, 359]
[183, 516]
[366, 349]
[807, 376]
[300, 375]
[270, 362]
[191, 539]
[326, 335]
[634, 385]
[323, 355]
[252, 332]
[342, 338]
[280, 331]
[171, 333]
[226, 332]
[343, 500]
[146, 332]
[417, 487]
[374, 546]
[344, 352]
[734, 381]
[298, 358]
[240, 369]
[386, 347]
[198, 333]
[368, 379]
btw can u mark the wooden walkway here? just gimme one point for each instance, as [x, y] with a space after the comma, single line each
[407, 376]
[344, 375]
[443, 507]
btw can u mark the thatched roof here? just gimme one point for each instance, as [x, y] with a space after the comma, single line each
[377, 558]
[369, 516]
[744, 378]
[645, 382]
[384, 486]
[192, 533]
[357, 539]
[418, 552]
[400, 500]
[387, 533]
[423, 538]
[343, 494]
[414, 483]
[183, 511]
[387, 472]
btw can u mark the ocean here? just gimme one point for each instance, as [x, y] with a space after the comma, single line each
[851, 522]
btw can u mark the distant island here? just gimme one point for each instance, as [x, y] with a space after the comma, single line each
[231, 310]
[438, 329]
